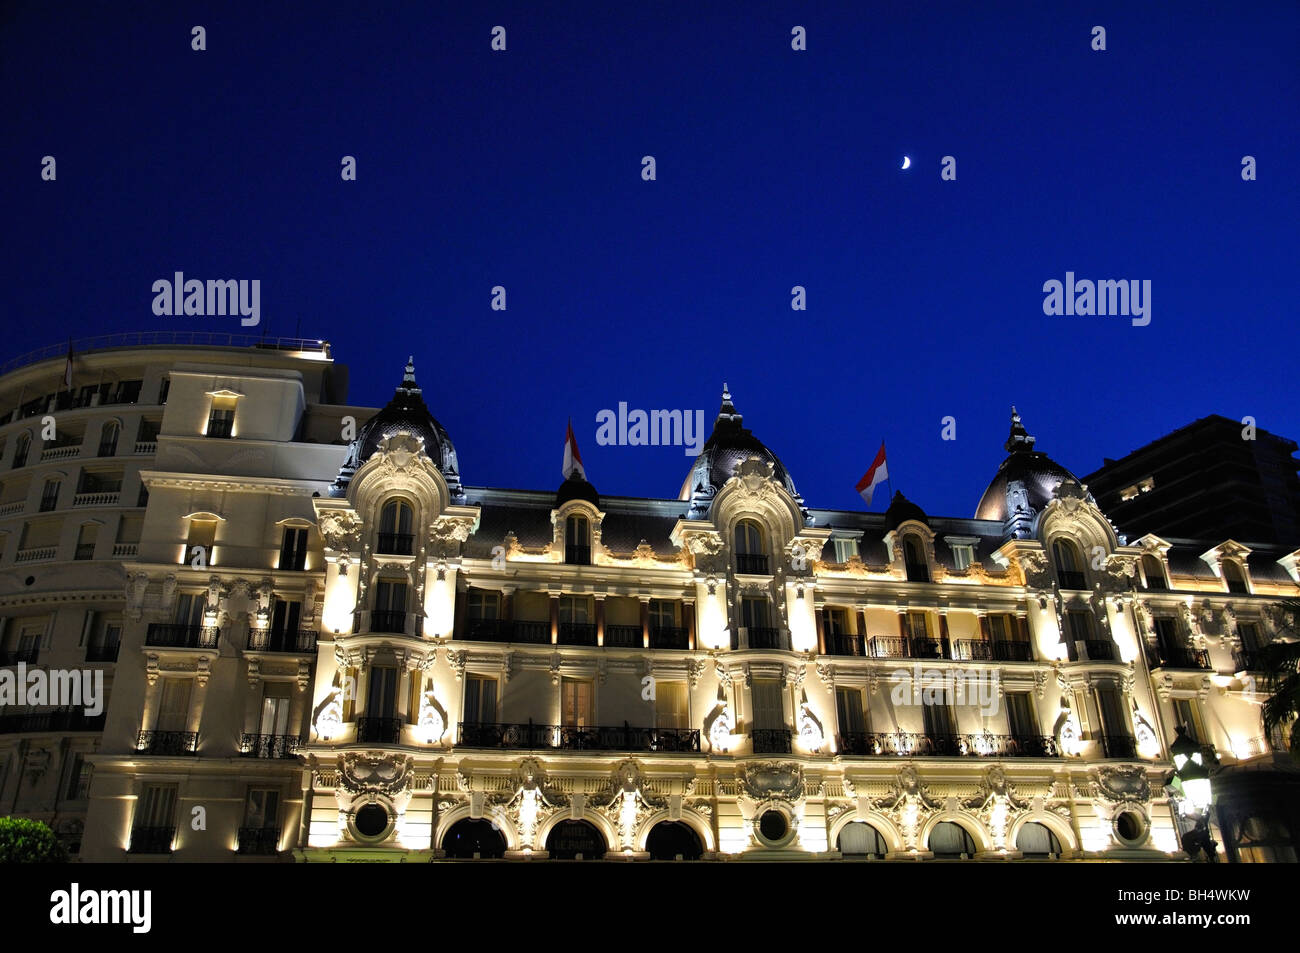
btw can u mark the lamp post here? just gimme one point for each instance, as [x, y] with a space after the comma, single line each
[1190, 785]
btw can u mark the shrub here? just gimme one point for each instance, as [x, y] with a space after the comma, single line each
[29, 842]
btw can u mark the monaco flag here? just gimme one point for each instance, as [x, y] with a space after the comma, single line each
[877, 475]
[572, 458]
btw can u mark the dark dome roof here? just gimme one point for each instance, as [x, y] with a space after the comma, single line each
[730, 445]
[576, 488]
[1038, 473]
[901, 509]
[406, 412]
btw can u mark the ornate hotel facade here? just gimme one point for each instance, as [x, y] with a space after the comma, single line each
[325, 646]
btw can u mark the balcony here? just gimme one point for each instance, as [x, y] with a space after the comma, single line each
[396, 544]
[176, 636]
[382, 731]
[298, 641]
[577, 555]
[921, 648]
[270, 746]
[167, 742]
[152, 840]
[577, 633]
[103, 653]
[96, 499]
[666, 637]
[262, 841]
[1118, 746]
[1180, 656]
[623, 636]
[1099, 650]
[502, 630]
[979, 745]
[751, 564]
[14, 656]
[894, 646]
[845, 643]
[148, 447]
[9, 509]
[61, 453]
[59, 719]
[770, 740]
[126, 550]
[982, 650]
[570, 738]
[387, 620]
[37, 555]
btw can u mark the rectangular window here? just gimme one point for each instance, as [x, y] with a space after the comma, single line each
[1185, 714]
[275, 708]
[574, 609]
[1249, 633]
[484, 605]
[480, 700]
[174, 705]
[50, 496]
[769, 710]
[285, 618]
[293, 548]
[663, 614]
[917, 625]
[1020, 715]
[164, 386]
[86, 537]
[221, 421]
[999, 630]
[845, 549]
[79, 771]
[390, 596]
[577, 703]
[837, 621]
[381, 697]
[262, 810]
[1080, 625]
[190, 607]
[963, 554]
[848, 706]
[938, 720]
[157, 806]
[203, 533]
[1113, 721]
[670, 705]
[754, 612]
[1167, 633]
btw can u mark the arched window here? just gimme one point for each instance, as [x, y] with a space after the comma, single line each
[1069, 564]
[918, 570]
[949, 840]
[673, 840]
[751, 555]
[575, 840]
[395, 534]
[1234, 577]
[1154, 572]
[21, 446]
[474, 839]
[859, 839]
[108, 439]
[577, 541]
[1037, 840]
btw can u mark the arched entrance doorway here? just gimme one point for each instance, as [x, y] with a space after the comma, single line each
[575, 840]
[673, 840]
[474, 839]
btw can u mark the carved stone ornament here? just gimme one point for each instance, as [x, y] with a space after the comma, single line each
[341, 530]
[908, 805]
[811, 735]
[626, 802]
[755, 479]
[1118, 785]
[533, 800]
[433, 718]
[772, 781]
[448, 533]
[997, 805]
[719, 724]
[389, 774]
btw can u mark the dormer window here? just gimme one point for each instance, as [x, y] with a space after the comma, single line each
[918, 570]
[577, 541]
[1234, 577]
[396, 536]
[751, 554]
[1069, 565]
[1155, 573]
[963, 555]
[845, 549]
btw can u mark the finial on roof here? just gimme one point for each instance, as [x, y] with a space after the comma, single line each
[728, 410]
[1019, 438]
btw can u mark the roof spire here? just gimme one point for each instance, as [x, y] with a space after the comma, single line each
[1019, 438]
[728, 410]
[408, 377]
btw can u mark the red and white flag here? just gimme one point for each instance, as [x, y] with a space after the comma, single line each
[877, 475]
[572, 458]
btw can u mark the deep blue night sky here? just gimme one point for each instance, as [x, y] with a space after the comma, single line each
[775, 168]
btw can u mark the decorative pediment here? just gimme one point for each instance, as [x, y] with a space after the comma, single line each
[374, 773]
[772, 780]
[1119, 785]
[1230, 549]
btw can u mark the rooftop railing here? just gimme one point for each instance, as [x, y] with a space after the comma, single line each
[163, 339]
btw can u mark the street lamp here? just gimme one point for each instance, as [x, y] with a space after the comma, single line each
[1191, 783]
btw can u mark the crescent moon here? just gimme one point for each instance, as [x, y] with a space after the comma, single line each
[907, 162]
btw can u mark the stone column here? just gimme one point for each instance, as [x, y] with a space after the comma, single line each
[600, 618]
[645, 620]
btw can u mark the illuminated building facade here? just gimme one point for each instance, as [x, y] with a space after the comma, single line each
[334, 648]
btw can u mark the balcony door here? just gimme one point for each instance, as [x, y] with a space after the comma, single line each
[848, 707]
[769, 709]
[939, 725]
[670, 705]
[577, 703]
[1114, 723]
[284, 625]
[174, 705]
[189, 609]
[480, 700]
[262, 810]
[275, 709]
[1020, 716]
[381, 696]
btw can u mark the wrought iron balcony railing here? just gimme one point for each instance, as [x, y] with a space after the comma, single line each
[978, 745]
[172, 635]
[1248, 660]
[572, 738]
[106, 652]
[764, 637]
[577, 555]
[752, 564]
[845, 643]
[623, 636]
[59, 719]
[167, 742]
[259, 840]
[396, 544]
[270, 746]
[1179, 656]
[668, 637]
[383, 731]
[577, 633]
[152, 840]
[770, 740]
[1098, 650]
[984, 650]
[1071, 579]
[387, 620]
[893, 646]
[300, 641]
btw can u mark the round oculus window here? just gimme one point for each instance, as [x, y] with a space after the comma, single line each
[773, 825]
[371, 820]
